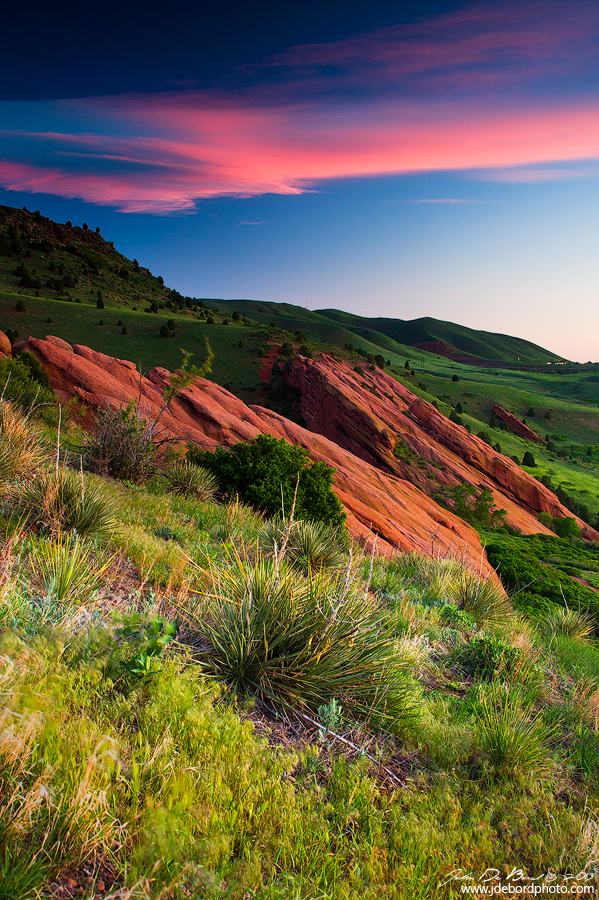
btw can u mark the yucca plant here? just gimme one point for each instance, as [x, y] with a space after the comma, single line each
[310, 546]
[482, 597]
[302, 642]
[561, 620]
[513, 736]
[191, 481]
[66, 569]
[64, 500]
[22, 449]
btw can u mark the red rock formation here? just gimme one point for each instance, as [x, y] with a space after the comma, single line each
[374, 414]
[5, 347]
[516, 425]
[377, 502]
[354, 424]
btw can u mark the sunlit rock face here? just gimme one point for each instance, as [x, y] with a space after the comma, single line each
[354, 423]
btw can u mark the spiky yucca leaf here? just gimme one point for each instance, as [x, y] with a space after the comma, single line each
[22, 450]
[434, 574]
[313, 546]
[513, 737]
[480, 596]
[64, 500]
[302, 641]
[66, 569]
[191, 481]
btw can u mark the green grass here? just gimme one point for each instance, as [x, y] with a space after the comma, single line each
[185, 793]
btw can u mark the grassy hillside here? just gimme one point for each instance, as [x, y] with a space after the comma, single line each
[484, 344]
[66, 267]
[163, 737]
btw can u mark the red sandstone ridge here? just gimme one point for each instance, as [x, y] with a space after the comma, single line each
[380, 420]
[377, 501]
[516, 425]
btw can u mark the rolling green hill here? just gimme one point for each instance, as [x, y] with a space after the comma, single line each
[414, 332]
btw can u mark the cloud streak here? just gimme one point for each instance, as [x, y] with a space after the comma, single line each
[480, 45]
[161, 153]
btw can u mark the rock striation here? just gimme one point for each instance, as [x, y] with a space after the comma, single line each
[379, 419]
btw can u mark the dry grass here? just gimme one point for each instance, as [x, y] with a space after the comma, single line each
[22, 447]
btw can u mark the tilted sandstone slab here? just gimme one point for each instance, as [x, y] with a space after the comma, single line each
[378, 502]
[516, 425]
[373, 415]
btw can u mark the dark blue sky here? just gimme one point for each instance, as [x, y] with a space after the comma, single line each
[396, 159]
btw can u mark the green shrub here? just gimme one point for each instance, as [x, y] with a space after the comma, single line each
[264, 472]
[478, 508]
[453, 617]
[528, 460]
[566, 527]
[23, 381]
[485, 655]
[121, 445]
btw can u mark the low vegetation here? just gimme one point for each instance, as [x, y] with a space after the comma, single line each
[201, 701]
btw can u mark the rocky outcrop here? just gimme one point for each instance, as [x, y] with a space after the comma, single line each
[377, 502]
[5, 346]
[381, 421]
[515, 425]
[390, 449]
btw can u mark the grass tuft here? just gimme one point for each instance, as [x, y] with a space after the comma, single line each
[191, 481]
[302, 642]
[22, 450]
[513, 736]
[567, 622]
[65, 500]
[311, 546]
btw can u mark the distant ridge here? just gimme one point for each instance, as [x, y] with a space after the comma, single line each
[447, 338]
[46, 261]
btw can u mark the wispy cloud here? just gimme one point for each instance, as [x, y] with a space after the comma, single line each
[332, 114]
[251, 223]
[538, 174]
[480, 45]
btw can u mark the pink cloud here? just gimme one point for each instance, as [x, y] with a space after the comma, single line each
[184, 150]
[161, 153]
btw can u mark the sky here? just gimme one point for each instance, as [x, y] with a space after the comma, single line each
[386, 158]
